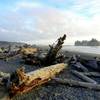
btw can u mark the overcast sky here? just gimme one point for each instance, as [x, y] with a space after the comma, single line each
[43, 21]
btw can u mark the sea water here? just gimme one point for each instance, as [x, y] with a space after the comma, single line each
[83, 49]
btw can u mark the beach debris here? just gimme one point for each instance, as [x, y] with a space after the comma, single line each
[72, 82]
[83, 77]
[21, 82]
[75, 61]
[53, 51]
[51, 57]
[94, 74]
[9, 55]
[28, 55]
[2, 74]
[28, 50]
[93, 63]
[4, 78]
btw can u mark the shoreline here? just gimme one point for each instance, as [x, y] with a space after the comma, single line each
[86, 55]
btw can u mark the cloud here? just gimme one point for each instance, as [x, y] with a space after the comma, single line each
[3, 30]
[58, 22]
[36, 22]
[27, 5]
[89, 7]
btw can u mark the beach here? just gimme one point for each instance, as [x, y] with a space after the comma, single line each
[48, 91]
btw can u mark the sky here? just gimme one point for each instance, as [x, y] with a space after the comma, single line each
[43, 21]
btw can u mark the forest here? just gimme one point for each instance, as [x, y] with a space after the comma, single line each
[92, 42]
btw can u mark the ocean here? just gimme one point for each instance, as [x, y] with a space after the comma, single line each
[83, 49]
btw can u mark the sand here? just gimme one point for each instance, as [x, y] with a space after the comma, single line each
[48, 91]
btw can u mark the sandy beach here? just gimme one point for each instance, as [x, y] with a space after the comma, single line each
[48, 91]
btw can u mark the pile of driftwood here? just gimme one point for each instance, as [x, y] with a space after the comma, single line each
[85, 73]
[52, 56]
[9, 54]
[21, 82]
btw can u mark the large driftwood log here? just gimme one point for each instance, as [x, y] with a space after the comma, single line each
[94, 74]
[22, 82]
[77, 83]
[82, 76]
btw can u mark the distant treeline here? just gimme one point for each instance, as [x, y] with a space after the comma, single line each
[92, 42]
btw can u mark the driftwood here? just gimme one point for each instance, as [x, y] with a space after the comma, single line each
[12, 57]
[28, 50]
[51, 56]
[1, 81]
[27, 81]
[94, 74]
[79, 65]
[77, 83]
[82, 76]
[2, 74]
[8, 56]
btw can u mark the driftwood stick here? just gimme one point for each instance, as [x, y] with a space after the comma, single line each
[82, 76]
[79, 65]
[12, 57]
[1, 81]
[77, 83]
[94, 74]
